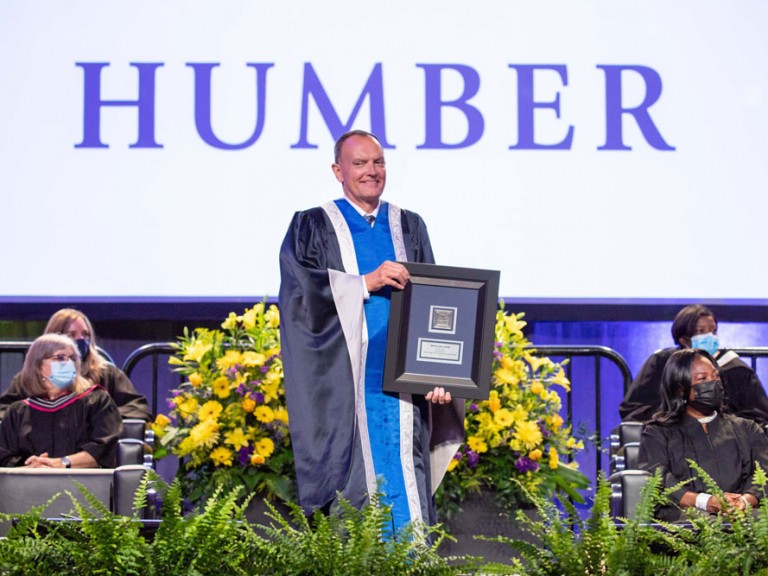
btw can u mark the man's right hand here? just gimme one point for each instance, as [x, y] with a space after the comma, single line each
[388, 274]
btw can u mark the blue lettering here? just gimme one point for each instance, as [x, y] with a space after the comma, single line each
[203, 105]
[614, 109]
[92, 104]
[434, 105]
[373, 89]
[526, 106]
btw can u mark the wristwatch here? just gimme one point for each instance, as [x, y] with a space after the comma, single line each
[66, 462]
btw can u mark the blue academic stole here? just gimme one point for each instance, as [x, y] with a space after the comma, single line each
[373, 245]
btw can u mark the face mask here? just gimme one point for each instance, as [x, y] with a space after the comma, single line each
[83, 346]
[62, 374]
[707, 397]
[708, 342]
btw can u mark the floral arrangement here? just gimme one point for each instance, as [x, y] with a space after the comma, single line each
[517, 437]
[227, 422]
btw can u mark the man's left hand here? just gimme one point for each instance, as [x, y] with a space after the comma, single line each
[439, 396]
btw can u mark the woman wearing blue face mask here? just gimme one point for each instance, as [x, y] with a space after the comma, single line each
[65, 421]
[94, 367]
[690, 425]
[695, 326]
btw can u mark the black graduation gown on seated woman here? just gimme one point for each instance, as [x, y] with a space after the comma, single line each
[87, 421]
[727, 451]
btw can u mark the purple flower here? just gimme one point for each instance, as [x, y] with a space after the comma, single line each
[525, 464]
[241, 390]
[264, 369]
[473, 407]
[472, 458]
[244, 455]
[498, 355]
[257, 397]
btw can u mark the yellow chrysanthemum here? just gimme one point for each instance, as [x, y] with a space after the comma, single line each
[221, 387]
[230, 359]
[248, 404]
[281, 414]
[195, 379]
[185, 447]
[528, 433]
[257, 459]
[253, 359]
[272, 316]
[477, 444]
[236, 438]
[186, 405]
[196, 350]
[503, 418]
[264, 446]
[535, 454]
[204, 434]
[264, 414]
[222, 456]
[554, 459]
[231, 322]
[210, 410]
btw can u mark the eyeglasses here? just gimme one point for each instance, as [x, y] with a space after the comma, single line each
[61, 357]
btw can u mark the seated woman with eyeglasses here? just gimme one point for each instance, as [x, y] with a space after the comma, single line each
[65, 421]
[691, 425]
[94, 367]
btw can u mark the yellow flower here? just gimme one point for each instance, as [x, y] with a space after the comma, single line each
[230, 358]
[221, 387]
[196, 350]
[493, 401]
[561, 379]
[506, 376]
[528, 434]
[477, 444]
[248, 404]
[264, 414]
[272, 316]
[210, 410]
[270, 387]
[204, 434]
[185, 447]
[253, 359]
[257, 459]
[249, 317]
[554, 459]
[186, 405]
[573, 444]
[537, 387]
[503, 418]
[160, 423]
[281, 414]
[236, 438]
[264, 447]
[535, 454]
[452, 464]
[514, 324]
[222, 456]
[195, 379]
[555, 421]
[519, 414]
[231, 322]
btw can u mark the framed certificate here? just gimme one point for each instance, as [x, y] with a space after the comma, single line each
[441, 331]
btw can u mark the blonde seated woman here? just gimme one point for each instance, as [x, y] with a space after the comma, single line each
[65, 421]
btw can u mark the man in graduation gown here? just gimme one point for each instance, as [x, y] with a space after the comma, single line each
[339, 263]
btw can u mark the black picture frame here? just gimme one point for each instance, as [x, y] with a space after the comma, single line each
[441, 331]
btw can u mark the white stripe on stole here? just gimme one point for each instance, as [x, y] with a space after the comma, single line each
[406, 401]
[348, 295]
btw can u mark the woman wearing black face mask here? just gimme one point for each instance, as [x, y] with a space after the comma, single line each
[95, 368]
[691, 426]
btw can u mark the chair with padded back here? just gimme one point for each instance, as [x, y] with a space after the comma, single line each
[625, 433]
[23, 488]
[626, 487]
[126, 482]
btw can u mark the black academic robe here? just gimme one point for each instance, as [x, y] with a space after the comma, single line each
[129, 402]
[744, 393]
[727, 452]
[87, 421]
[321, 352]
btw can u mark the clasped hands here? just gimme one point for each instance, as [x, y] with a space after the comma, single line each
[730, 502]
[43, 461]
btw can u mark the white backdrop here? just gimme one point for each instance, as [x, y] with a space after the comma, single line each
[193, 220]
